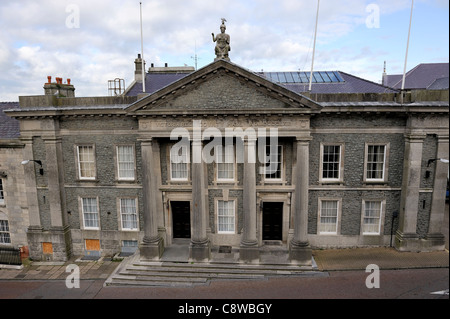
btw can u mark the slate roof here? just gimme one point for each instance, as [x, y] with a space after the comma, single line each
[420, 77]
[439, 84]
[351, 84]
[9, 127]
[154, 82]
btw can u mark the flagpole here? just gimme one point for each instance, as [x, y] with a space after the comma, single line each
[314, 48]
[407, 48]
[142, 53]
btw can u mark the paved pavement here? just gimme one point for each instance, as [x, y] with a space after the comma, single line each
[326, 260]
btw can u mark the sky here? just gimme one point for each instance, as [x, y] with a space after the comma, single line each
[92, 42]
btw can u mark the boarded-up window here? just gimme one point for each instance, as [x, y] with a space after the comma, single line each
[47, 248]
[93, 244]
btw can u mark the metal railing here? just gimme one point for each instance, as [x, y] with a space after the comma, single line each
[10, 256]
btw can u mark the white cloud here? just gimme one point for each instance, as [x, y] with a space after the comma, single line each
[265, 34]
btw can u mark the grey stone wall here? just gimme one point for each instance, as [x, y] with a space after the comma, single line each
[352, 202]
[223, 92]
[423, 215]
[15, 207]
[105, 156]
[358, 120]
[354, 145]
[429, 152]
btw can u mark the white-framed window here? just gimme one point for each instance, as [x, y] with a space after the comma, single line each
[2, 194]
[375, 168]
[86, 162]
[273, 169]
[129, 213]
[331, 168]
[125, 162]
[179, 163]
[225, 163]
[5, 237]
[372, 217]
[328, 220]
[90, 214]
[226, 217]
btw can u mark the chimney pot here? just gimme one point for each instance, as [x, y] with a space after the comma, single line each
[68, 81]
[49, 78]
[139, 56]
[166, 65]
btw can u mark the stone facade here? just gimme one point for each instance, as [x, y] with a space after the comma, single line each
[226, 96]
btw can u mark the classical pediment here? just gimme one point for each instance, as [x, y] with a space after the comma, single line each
[221, 87]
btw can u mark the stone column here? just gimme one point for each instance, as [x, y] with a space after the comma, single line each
[56, 196]
[249, 249]
[300, 251]
[406, 237]
[30, 186]
[152, 246]
[199, 249]
[435, 238]
[35, 229]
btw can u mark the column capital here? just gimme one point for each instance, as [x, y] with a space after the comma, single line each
[443, 138]
[413, 137]
[146, 140]
[303, 139]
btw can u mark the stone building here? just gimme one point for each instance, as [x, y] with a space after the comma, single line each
[109, 178]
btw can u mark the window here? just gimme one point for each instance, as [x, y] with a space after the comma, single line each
[331, 168]
[86, 162]
[375, 162]
[179, 159]
[125, 162]
[328, 216]
[90, 213]
[273, 166]
[128, 213]
[225, 217]
[225, 163]
[2, 194]
[5, 237]
[372, 217]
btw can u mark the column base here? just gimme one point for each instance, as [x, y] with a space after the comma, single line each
[200, 252]
[249, 254]
[300, 253]
[152, 250]
[57, 241]
[407, 242]
[435, 242]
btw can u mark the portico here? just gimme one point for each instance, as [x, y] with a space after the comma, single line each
[225, 210]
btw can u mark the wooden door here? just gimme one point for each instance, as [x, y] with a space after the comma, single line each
[272, 221]
[181, 219]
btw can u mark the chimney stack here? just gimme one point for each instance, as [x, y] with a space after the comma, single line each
[58, 88]
[138, 70]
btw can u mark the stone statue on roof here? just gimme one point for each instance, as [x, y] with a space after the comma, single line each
[223, 43]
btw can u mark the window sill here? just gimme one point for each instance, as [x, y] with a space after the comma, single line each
[331, 182]
[87, 181]
[368, 183]
[126, 181]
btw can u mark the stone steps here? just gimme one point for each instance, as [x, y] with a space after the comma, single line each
[183, 274]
